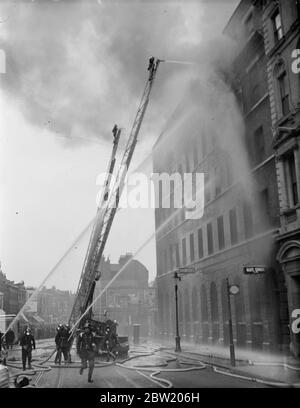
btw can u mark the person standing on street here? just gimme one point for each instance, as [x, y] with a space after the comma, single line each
[69, 342]
[27, 343]
[10, 338]
[62, 344]
[86, 348]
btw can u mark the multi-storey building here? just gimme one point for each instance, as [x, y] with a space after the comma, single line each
[128, 299]
[241, 220]
[14, 294]
[54, 305]
[281, 30]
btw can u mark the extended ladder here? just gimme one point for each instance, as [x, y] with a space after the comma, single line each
[105, 216]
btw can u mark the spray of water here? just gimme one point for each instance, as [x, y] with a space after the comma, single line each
[51, 272]
[144, 244]
[179, 62]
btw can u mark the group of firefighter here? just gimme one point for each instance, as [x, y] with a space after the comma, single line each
[86, 345]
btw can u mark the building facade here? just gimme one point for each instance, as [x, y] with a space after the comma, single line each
[14, 294]
[54, 305]
[242, 222]
[129, 299]
[281, 30]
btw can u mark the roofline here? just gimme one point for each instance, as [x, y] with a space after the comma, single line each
[232, 15]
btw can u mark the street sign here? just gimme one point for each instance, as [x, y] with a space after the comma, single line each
[234, 289]
[185, 271]
[254, 269]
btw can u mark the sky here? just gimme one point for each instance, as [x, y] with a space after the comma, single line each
[74, 69]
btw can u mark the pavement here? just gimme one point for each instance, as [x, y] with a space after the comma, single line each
[156, 364]
[280, 369]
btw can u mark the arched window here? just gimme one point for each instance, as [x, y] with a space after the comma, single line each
[256, 311]
[167, 313]
[298, 65]
[195, 310]
[225, 313]
[240, 314]
[180, 306]
[282, 89]
[187, 314]
[214, 311]
[204, 314]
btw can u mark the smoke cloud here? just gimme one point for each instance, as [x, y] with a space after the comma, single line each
[77, 67]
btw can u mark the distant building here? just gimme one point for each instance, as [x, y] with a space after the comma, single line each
[54, 305]
[13, 298]
[129, 299]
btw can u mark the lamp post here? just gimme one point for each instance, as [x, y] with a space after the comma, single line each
[231, 290]
[177, 277]
[177, 337]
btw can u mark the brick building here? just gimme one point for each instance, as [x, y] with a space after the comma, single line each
[241, 219]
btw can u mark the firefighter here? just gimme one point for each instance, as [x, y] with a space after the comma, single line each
[3, 349]
[57, 342]
[86, 348]
[151, 67]
[62, 344]
[27, 342]
[110, 340]
[10, 338]
[69, 342]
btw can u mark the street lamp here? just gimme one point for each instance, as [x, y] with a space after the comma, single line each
[231, 291]
[177, 277]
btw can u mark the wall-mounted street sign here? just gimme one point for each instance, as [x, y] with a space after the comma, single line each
[185, 271]
[234, 289]
[254, 269]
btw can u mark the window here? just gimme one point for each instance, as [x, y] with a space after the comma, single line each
[192, 248]
[165, 261]
[195, 152]
[221, 235]
[187, 161]
[204, 145]
[217, 181]
[210, 243]
[249, 24]
[277, 26]
[182, 212]
[291, 180]
[248, 220]
[284, 93]
[265, 209]
[200, 243]
[206, 187]
[171, 257]
[183, 252]
[233, 226]
[177, 256]
[259, 145]
[229, 173]
[254, 95]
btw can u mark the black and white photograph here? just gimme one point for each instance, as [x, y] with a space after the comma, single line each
[149, 199]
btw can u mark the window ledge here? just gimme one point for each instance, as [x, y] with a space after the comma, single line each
[290, 210]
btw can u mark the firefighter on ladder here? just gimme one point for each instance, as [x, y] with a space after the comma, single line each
[86, 348]
[151, 67]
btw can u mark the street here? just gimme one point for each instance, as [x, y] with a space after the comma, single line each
[148, 366]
